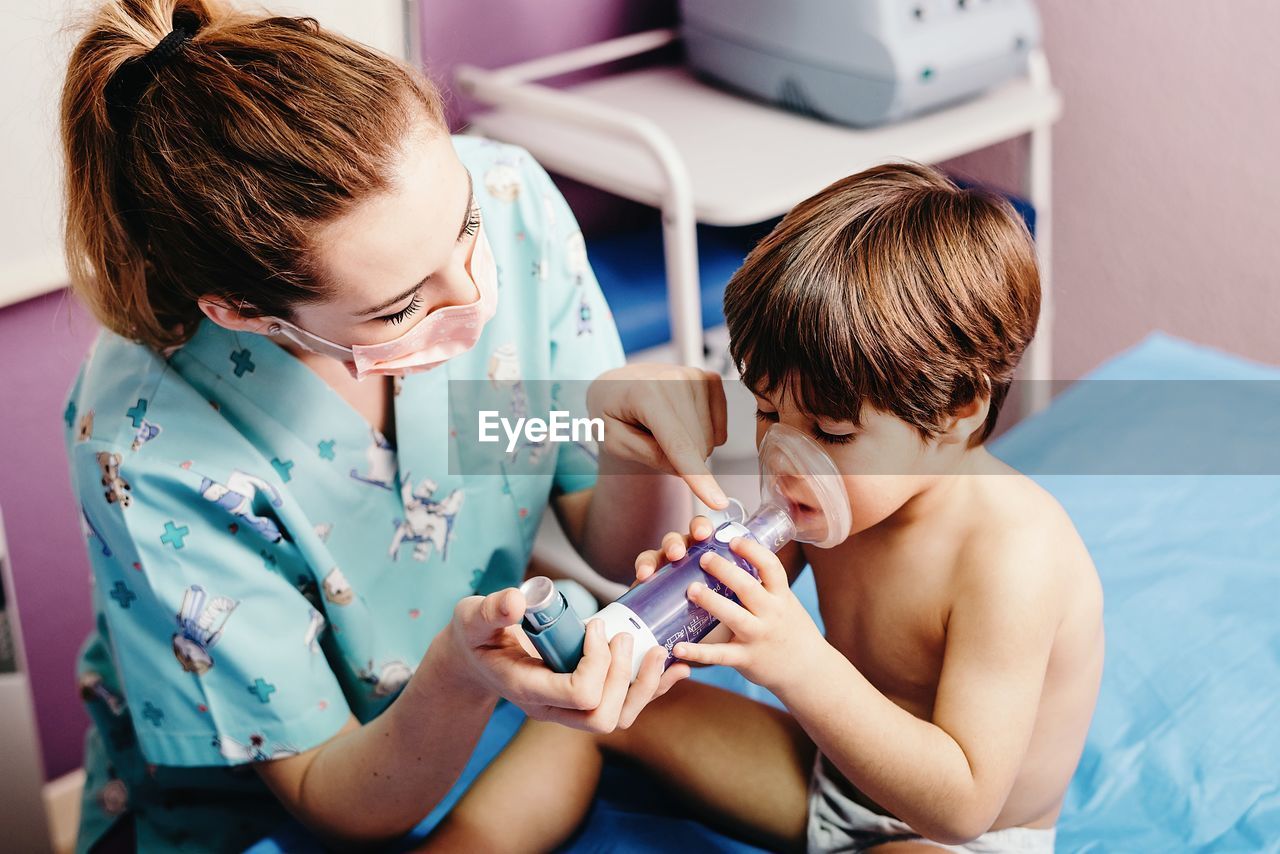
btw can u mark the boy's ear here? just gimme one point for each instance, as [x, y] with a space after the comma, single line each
[965, 421]
[230, 317]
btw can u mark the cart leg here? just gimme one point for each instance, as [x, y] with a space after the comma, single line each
[1038, 361]
[684, 294]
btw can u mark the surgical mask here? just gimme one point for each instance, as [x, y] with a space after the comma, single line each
[439, 336]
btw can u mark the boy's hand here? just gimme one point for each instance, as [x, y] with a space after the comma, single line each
[773, 635]
[674, 546]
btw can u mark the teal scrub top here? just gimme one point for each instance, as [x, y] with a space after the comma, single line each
[265, 563]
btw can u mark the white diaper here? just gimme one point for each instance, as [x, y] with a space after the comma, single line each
[837, 823]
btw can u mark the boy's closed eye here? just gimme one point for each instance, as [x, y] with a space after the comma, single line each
[831, 434]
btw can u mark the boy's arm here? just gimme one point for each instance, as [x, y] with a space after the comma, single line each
[948, 778]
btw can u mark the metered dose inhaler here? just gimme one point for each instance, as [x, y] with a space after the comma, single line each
[802, 498]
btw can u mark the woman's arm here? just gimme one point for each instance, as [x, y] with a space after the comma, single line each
[375, 782]
[626, 512]
[661, 422]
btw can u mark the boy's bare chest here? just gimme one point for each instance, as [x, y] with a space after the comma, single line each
[888, 618]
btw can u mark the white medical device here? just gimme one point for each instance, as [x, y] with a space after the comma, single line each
[860, 62]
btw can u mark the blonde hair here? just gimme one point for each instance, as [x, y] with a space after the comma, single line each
[212, 178]
[895, 288]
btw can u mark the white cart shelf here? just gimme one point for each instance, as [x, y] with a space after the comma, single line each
[662, 137]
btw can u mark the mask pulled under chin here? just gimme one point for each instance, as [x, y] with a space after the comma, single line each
[435, 339]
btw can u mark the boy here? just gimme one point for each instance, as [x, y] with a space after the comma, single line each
[947, 705]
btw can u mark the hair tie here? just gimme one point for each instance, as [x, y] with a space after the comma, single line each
[132, 78]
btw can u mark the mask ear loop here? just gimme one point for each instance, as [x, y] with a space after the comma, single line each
[235, 333]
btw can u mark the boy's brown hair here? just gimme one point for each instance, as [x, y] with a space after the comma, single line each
[892, 288]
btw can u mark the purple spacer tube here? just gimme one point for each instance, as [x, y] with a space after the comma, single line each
[662, 602]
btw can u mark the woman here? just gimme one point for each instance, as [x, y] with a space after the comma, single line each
[293, 259]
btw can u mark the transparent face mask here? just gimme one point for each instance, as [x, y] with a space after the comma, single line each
[802, 495]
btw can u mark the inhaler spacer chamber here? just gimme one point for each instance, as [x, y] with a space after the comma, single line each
[802, 498]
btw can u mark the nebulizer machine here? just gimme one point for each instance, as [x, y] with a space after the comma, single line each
[802, 498]
[860, 62]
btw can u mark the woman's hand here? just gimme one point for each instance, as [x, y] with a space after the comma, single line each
[773, 635]
[597, 697]
[667, 417]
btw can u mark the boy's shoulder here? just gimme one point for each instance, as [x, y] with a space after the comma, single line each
[1019, 539]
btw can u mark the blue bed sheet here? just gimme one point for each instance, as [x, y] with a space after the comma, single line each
[1184, 751]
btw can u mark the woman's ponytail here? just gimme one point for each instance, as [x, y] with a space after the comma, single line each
[104, 256]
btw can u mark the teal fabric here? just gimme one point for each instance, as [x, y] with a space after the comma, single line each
[266, 564]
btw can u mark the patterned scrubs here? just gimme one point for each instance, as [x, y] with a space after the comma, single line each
[266, 564]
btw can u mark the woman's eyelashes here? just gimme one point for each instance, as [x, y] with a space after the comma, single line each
[473, 222]
[767, 417]
[469, 230]
[408, 311]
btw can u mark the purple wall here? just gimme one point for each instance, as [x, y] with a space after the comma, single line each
[494, 33]
[1164, 174]
[41, 344]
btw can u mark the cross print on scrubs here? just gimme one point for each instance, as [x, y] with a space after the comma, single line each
[283, 468]
[243, 362]
[137, 412]
[174, 535]
[152, 714]
[262, 689]
[122, 594]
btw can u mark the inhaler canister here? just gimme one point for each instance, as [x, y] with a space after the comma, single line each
[553, 627]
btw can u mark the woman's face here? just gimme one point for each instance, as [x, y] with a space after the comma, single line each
[399, 254]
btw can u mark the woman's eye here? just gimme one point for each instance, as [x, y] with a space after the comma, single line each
[406, 312]
[769, 417]
[473, 222]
